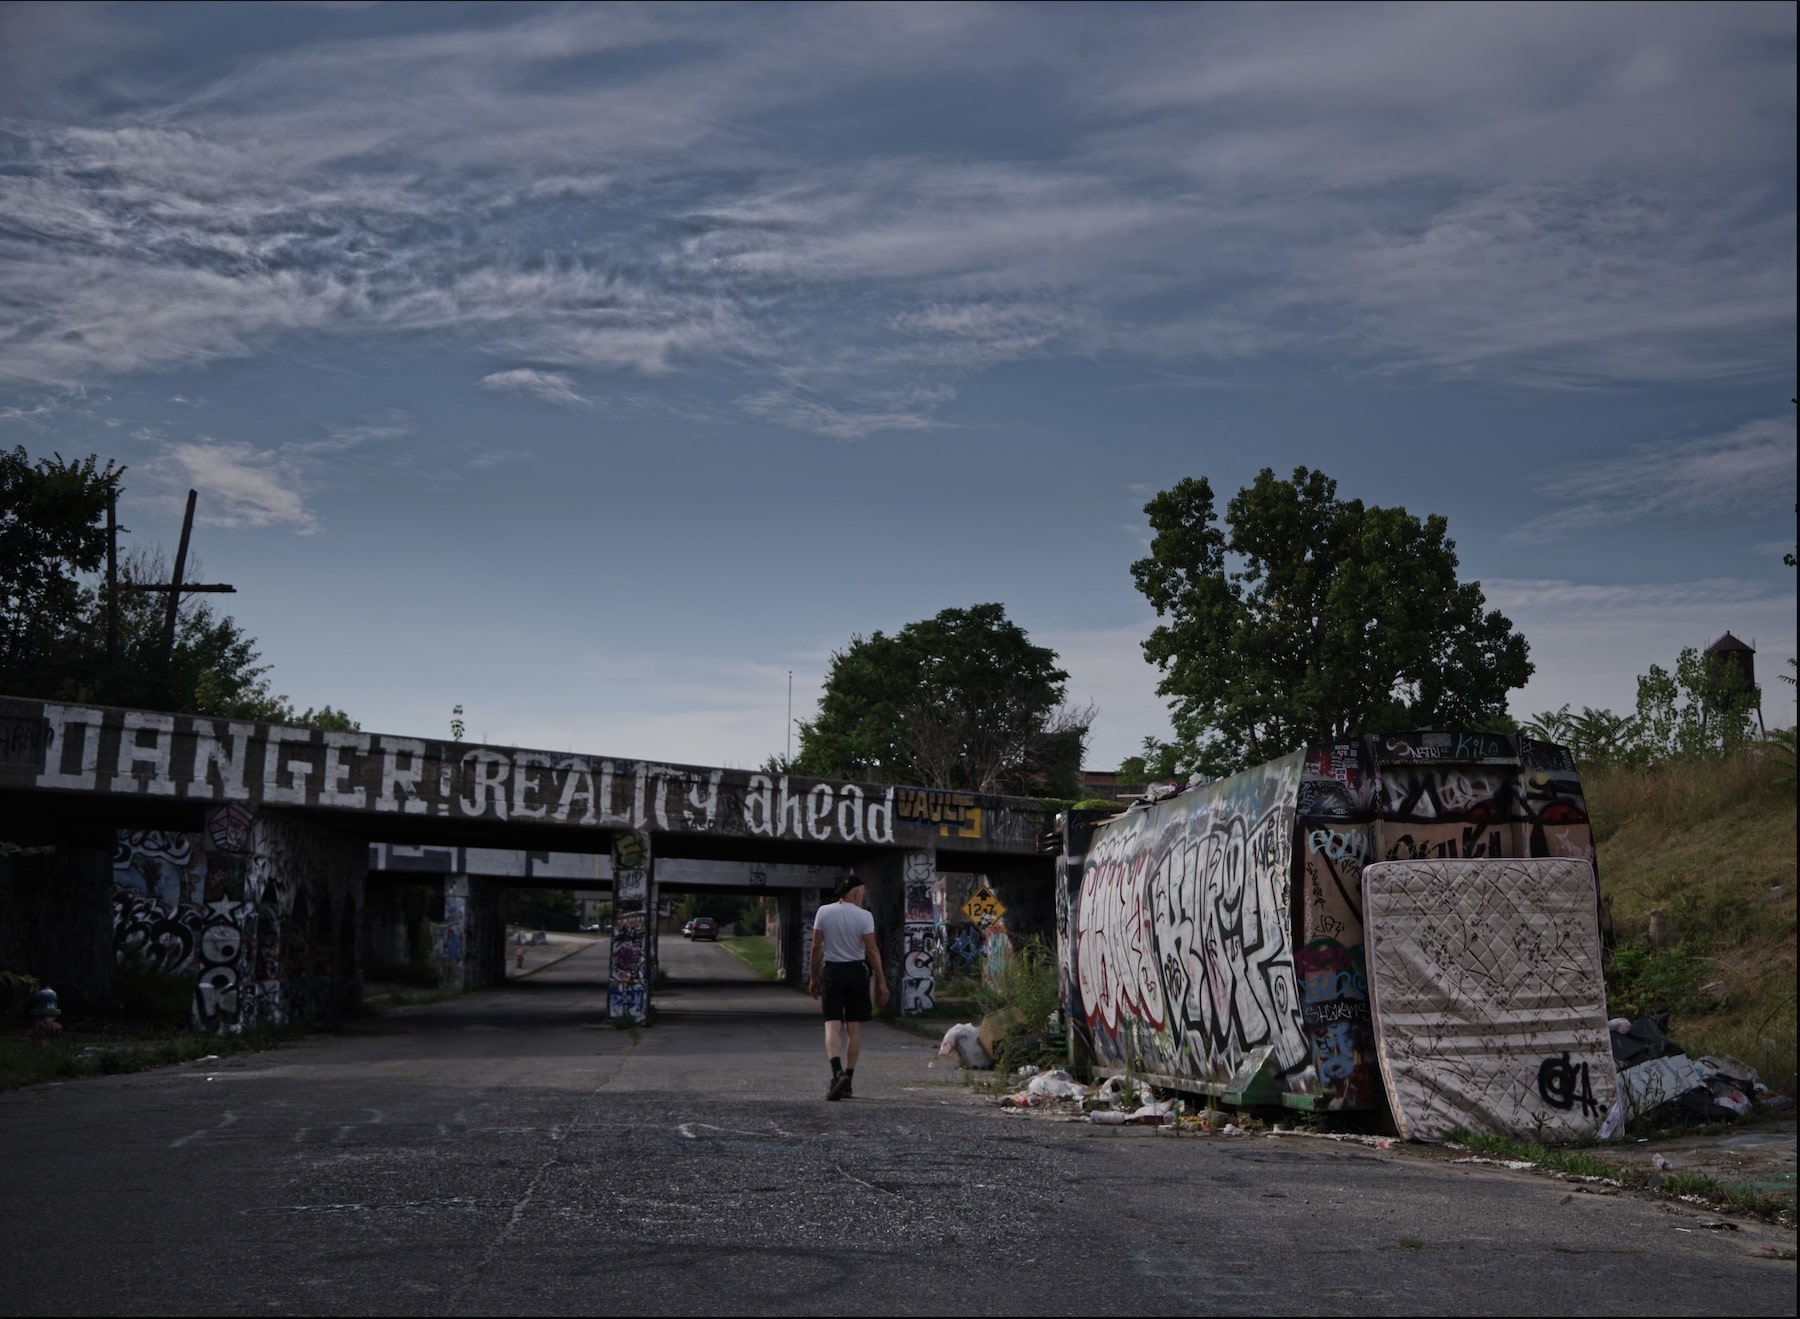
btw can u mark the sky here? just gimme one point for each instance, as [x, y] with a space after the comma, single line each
[603, 369]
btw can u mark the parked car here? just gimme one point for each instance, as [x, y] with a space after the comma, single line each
[701, 927]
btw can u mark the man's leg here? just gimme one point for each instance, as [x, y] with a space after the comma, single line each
[834, 1040]
[853, 1044]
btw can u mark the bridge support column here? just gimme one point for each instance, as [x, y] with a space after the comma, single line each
[474, 952]
[634, 929]
[794, 913]
[903, 900]
[916, 975]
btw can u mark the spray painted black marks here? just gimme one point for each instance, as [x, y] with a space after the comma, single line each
[24, 741]
[1562, 1083]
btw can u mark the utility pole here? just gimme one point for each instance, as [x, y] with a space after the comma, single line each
[789, 755]
[176, 586]
[112, 581]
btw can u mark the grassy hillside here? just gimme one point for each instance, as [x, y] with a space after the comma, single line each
[1698, 863]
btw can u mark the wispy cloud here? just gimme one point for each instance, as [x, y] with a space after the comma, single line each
[806, 411]
[1749, 470]
[1540, 196]
[240, 485]
[546, 386]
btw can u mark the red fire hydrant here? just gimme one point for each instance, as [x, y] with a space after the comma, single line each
[44, 1013]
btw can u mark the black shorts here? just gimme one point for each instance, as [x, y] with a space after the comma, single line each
[846, 992]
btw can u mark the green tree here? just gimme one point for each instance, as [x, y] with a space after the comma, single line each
[962, 700]
[1701, 711]
[1314, 619]
[54, 644]
[1594, 737]
[52, 530]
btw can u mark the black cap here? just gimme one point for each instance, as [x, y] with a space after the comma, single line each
[847, 882]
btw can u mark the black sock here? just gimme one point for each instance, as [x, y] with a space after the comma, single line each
[837, 1065]
[849, 1072]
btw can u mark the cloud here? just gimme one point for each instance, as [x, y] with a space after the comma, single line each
[241, 487]
[1746, 471]
[547, 386]
[1542, 197]
[388, 427]
[802, 410]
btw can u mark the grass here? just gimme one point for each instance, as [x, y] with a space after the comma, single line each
[114, 1051]
[1580, 1163]
[756, 950]
[1697, 860]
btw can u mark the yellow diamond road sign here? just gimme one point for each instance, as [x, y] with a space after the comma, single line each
[983, 908]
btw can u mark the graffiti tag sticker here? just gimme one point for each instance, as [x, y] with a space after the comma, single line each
[983, 908]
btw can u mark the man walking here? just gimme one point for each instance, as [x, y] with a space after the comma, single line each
[844, 956]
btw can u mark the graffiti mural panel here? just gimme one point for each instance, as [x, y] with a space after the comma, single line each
[228, 908]
[921, 936]
[1184, 950]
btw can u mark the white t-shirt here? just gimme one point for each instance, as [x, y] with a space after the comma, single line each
[843, 926]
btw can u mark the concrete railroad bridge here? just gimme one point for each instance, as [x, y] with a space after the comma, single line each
[277, 866]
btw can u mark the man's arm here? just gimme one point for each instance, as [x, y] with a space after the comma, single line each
[814, 983]
[873, 953]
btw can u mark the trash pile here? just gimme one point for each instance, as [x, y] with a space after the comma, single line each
[1660, 1080]
[1116, 1101]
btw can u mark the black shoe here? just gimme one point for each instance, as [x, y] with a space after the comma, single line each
[845, 1092]
[840, 1087]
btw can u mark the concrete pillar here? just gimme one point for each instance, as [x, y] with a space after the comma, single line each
[790, 949]
[634, 929]
[299, 957]
[397, 919]
[454, 950]
[886, 902]
[916, 977]
[474, 939]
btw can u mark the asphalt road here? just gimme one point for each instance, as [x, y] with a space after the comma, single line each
[507, 1152]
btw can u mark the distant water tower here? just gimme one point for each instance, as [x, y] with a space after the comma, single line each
[1729, 655]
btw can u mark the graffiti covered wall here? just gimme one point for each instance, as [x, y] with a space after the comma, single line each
[259, 913]
[1171, 975]
[919, 951]
[1184, 959]
[633, 932]
[1334, 838]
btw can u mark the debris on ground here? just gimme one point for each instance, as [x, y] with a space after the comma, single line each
[1659, 1078]
[963, 1042]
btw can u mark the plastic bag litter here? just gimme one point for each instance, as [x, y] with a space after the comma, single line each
[963, 1042]
[1150, 1115]
[1056, 1085]
[1113, 1091]
[1732, 1081]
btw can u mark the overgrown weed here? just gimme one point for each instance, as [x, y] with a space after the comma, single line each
[1697, 859]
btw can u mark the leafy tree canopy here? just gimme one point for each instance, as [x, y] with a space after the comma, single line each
[54, 645]
[1308, 618]
[52, 530]
[1704, 710]
[962, 700]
